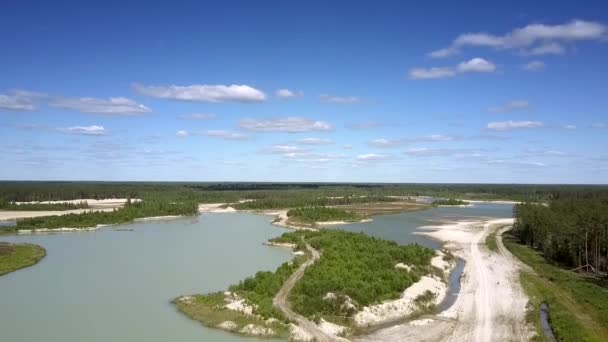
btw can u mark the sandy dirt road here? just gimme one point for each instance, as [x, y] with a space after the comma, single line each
[281, 301]
[491, 305]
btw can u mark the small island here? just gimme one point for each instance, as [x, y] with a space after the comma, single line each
[16, 256]
[338, 283]
[449, 202]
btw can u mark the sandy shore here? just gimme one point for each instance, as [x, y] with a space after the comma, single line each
[491, 305]
[9, 215]
[215, 208]
[158, 218]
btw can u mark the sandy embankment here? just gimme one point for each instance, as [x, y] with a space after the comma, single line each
[94, 205]
[491, 305]
[393, 310]
[215, 208]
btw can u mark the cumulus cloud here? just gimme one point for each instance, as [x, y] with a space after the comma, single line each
[372, 157]
[20, 100]
[204, 93]
[287, 124]
[534, 66]
[112, 106]
[84, 130]
[473, 65]
[511, 125]
[476, 65]
[288, 94]
[286, 150]
[398, 142]
[432, 152]
[315, 141]
[339, 99]
[198, 116]
[182, 134]
[546, 49]
[431, 73]
[386, 142]
[226, 135]
[535, 39]
[510, 106]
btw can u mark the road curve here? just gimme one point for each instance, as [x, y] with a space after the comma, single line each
[281, 302]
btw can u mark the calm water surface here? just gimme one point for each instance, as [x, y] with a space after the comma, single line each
[115, 284]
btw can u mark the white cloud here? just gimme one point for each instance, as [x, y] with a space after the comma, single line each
[599, 125]
[531, 39]
[289, 151]
[111, 106]
[476, 65]
[510, 106]
[385, 142]
[442, 53]
[431, 73]
[182, 134]
[535, 66]
[204, 93]
[434, 137]
[19, 100]
[339, 99]
[546, 49]
[510, 125]
[569, 127]
[226, 135]
[473, 65]
[84, 130]
[372, 157]
[288, 94]
[315, 141]
[288, 125]
[198, 116]
[432, 152]
[545, 152]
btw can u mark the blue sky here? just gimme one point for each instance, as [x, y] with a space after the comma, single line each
[379, 91]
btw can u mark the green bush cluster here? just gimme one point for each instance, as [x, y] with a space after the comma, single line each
[6, 205]
[355, 265]
[449, 201]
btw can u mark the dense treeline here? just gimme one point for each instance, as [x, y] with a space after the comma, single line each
[354, 265]
[321, 214]
[294, 200]
[449, 201]
[130, 212]
[570, 232]
[272, 192]
[4, 205]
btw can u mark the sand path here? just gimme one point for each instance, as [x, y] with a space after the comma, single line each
[491, 305]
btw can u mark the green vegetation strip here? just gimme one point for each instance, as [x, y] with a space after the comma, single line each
[5, 205]
[17, 256]
[491, 242]
[578, 306]
[130, 212]
[450, 201]
[311, 215]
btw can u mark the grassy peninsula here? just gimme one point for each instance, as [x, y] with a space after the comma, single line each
[356, 269]
[17, 256]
